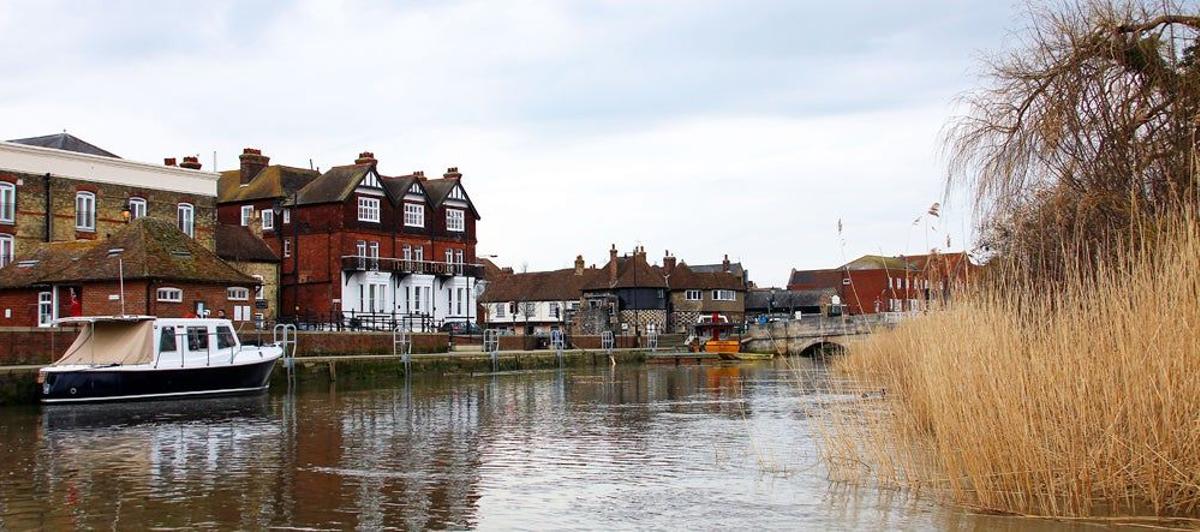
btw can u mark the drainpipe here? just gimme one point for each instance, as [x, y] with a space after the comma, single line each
[49, 213]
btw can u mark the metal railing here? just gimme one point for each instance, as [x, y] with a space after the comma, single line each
[362, 321]
[361, 263]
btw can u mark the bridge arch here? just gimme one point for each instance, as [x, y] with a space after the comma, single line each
[822, 349]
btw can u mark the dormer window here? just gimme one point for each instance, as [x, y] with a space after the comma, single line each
[456, 220]
[414, 215]
[368, 209]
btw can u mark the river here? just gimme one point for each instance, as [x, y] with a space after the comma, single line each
[657, 447]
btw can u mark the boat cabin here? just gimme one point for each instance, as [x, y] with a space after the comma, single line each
[146, 340]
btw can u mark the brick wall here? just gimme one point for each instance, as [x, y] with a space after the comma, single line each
[364, 343]
[593, 341]
[21, 346]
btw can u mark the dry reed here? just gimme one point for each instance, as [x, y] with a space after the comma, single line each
[1081, 401]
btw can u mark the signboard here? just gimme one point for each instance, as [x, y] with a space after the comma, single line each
[260, 304]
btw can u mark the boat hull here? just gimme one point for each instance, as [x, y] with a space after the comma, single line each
[91, 385]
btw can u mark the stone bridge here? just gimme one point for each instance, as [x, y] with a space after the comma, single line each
[814, 335]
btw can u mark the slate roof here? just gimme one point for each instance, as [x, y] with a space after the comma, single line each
[333, 186]
[685, 277]
[759, 299]
[735, 268]
[240, 244]
[32, 266]
[276, 181]
[150, 249]
[397, 187]
[815, 278]
[66, 142]
[554, 285]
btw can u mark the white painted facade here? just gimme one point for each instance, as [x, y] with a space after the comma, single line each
[529, 311]
[416, 296]
[59, 163]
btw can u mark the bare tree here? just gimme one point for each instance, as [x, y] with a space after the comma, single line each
[1084, 129]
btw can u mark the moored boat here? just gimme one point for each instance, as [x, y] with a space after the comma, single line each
[143, 357]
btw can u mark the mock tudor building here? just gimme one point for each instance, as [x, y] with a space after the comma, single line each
[534, 302]
[356, 244]
[59, 188]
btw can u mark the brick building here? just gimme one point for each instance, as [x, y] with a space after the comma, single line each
[359, 245]
[59, 188]
[147, 267]
[702, 291]
[244, 250]
[874, 283]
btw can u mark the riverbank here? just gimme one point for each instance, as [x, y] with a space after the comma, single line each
[18, 384]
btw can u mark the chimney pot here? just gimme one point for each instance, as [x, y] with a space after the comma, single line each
[170, 161]
[191, 163]
[453, 173]
[366, 157]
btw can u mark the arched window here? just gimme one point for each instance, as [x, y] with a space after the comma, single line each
[137, 208]
[85, 211]
[8, 203]
[187, 219]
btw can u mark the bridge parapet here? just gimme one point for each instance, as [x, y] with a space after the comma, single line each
[793, 335]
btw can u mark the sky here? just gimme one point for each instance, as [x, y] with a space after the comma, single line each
[705, 128]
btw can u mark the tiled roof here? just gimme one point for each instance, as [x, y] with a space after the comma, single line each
[815, 278]
[878, 262]
[632, 272]
[66, 142]
[439, 190]
[335, 185]
[275, 181]
[149, 248]
[555, 285]
[35, 264]
[685, 277]
[240, 244]
[760, 299]
[735, 268]
[397, 187]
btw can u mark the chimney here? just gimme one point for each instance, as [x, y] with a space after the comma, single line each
[612, 265]
[725, 263]
[669, 263]
[366, 157]
[170, 161]
[253, 162]
[452, 173]
[190, 162]
[578, 264]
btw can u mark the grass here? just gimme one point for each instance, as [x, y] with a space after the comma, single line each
[1077, 401]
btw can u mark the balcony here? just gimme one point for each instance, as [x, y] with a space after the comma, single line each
[363, 263]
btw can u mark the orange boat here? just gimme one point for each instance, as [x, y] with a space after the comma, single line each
[716, 335]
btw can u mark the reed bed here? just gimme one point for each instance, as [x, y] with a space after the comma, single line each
[1080, 399]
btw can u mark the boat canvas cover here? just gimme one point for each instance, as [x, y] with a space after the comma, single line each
[112, 343]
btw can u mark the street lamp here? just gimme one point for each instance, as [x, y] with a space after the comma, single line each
[277, 211]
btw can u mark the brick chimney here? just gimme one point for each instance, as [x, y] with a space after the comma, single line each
[170, 161]
[578, 264]
[452, 173]
[366, 157]
[725, 263]
[191, 162]
[669, 263]
[253, 162]
[419, 174]
[612, 264]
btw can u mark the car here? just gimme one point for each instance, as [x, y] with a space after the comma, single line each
[461, 327]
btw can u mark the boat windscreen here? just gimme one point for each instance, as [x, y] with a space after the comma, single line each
[107, 343]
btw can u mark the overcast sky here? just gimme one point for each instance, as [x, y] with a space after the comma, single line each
[705, 128]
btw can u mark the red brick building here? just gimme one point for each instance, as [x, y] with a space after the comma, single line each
[874, 283]
[356, 244]
[164, 273]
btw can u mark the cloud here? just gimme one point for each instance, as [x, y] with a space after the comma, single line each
[704, 127]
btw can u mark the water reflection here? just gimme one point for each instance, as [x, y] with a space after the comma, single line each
[658, 447]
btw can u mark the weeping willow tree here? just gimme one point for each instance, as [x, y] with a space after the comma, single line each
[1085, 131]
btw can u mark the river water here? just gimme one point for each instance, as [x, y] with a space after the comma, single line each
[657, 447]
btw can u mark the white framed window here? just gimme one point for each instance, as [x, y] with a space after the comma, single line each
[85, 211]
[693, 295]
[287, 216]
[6, 250]
[373, 250]
[449, 257]
[8, 203]
[368, 209]
[187, 219]
[419, 253]
[414, 215]
[501, 308]
[258, 289]
[247, 214]
[287, 247]
[724, 295]
[407, 250]
[456, 220]
[555, 310]
[45, 309]
[462, 295]
[238, 293]
[137, 208]
[169, 295]
[268, 220]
